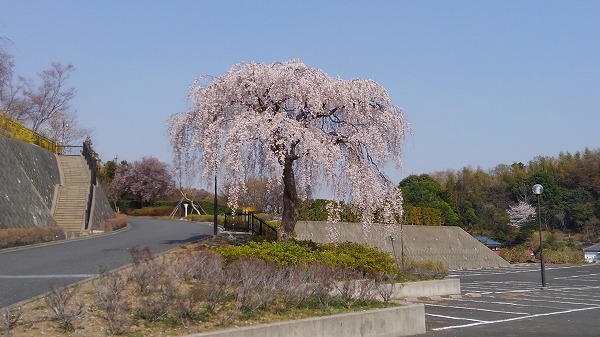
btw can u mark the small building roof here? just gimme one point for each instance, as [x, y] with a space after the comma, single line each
[487, 241]
[594, 248]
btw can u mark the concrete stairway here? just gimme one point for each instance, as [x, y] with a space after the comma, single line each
[72, 194]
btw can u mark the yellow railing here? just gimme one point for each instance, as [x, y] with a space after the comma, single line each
[17, 131]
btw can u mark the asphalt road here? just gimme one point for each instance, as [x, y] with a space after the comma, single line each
[29, 272]
[509, 302]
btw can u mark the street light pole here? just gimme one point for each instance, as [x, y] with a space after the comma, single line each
[402, 244]
[216, 207]
[537, 190]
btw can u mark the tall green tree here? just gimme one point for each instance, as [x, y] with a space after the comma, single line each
[424, 192]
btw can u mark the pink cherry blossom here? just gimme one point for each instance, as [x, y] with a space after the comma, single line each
[299, 127]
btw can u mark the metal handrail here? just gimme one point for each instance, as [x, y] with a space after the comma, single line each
[70, 150]
[248, 222]
[88, 155]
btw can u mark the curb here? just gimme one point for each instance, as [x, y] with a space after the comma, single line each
[57, 242]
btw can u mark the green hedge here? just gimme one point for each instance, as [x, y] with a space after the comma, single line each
[356, 256]
[151, 211]
[348, 255]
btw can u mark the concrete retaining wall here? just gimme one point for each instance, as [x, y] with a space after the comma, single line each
[391, 322]
[28, 177]
[451, 245]
[427, 288]
[102, 211]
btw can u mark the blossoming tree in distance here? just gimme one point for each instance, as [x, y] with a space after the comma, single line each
[299, 127]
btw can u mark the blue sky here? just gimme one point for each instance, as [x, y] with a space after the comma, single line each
[481, 82]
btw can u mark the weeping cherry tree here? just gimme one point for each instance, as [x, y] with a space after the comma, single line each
[298, 127]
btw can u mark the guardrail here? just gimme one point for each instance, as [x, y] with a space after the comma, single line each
[69, 150]
[247, 222]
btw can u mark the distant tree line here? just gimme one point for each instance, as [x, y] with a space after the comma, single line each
[481, 201]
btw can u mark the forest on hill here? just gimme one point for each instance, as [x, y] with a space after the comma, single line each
[479, 201]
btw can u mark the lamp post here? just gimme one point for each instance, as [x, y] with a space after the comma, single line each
[537, 190]
[402, 244]
[216, 207]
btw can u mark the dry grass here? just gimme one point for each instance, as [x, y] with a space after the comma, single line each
[118, 222]
[190, 292]
[14, 237]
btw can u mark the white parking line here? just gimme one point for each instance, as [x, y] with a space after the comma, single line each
[478, 309]
[457, 318]
[553, 301]
[515, 318]
[492, 302]
[504, 271]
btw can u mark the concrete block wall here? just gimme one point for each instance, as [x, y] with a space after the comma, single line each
[28, 175]
[451, 245]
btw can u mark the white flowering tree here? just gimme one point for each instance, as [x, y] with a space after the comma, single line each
[299, 127]
[520, 213]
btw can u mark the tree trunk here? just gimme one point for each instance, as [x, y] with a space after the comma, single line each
[290, 203]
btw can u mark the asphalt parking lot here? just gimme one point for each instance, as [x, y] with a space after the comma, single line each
[510, 302]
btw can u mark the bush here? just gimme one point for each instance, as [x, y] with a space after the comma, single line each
[357, 257]
[427, 269]
[563, 255]
[151, 211]
[283, 253]
[518, 254]
[206, 218]
[354, 256]
[110, 289]
[10, 318]
[14, 237]
[118, 222]
[59, 300]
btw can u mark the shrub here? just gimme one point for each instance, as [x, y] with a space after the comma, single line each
[426, 268]
[59, 300]
[14, 237]
[353, 256]
[517, 254]
[294, 284]
[10, 318]
[110, 289]
[151, 211]
[283, 253]
[253, 282]
[118, 222]
[563, 255]
[146, 270]
[206, 218]
[385, 286]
